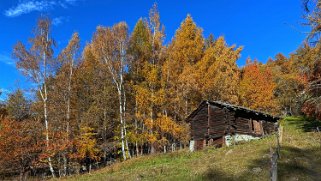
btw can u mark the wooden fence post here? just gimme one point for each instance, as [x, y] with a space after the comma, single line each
[278, 141]
[274, 165]
[275, 155]
[280, 133]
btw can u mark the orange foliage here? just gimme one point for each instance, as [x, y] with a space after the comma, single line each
[257, 88]
[19, 145]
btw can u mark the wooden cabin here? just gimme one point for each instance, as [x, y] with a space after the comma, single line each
[219, 124]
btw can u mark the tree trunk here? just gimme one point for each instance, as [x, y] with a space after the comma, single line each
[136, 128]
[21, 175]
[186, 107]
[152, 148]
[44, 96]
[121, 124]
[124, 121]
[68, 117]
[142, 149]
[47, 137]
[137, 150]
[173, 147]
[65, 164]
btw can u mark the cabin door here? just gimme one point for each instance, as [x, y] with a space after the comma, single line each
[257, 127]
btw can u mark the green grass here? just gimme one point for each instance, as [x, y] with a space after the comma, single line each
[300, 160]
[301, 150]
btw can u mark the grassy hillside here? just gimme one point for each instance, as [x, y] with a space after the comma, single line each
[300, 160]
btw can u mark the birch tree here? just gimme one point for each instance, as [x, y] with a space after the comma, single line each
[110, 45]
[35, 64]
[67, 57]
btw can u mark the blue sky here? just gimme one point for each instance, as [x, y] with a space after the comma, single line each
[264, 27]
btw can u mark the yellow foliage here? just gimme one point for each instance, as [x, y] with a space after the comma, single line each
[85, 144]
[217, 75]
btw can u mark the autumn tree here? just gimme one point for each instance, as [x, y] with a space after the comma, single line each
[19, 146]
[140, 51]
[68, 58]
[257, 87]
[216, 75]
[309, 55]
[145, 47]
[139, 48]
[313, 100]
[185, 50]
[63, 92]
[110, 45]
[86, 147]
[96, 100]
[35, 64]
[289, 83]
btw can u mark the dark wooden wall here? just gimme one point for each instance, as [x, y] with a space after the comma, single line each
[199, 124]
[243, 125]
[268, 127]
[218, 121]
[213, 123]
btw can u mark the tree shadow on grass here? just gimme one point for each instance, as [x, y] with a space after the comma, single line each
[216, 175]
[294, 164]
[257, 170]
[303, 164]
[304, 123]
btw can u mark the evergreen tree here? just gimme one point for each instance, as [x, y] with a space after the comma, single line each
[18, 106]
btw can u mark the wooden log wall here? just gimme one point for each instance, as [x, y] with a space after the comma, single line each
[200, 144]
[199, 124]
[268, 127]
[217, 121]
[243, 125]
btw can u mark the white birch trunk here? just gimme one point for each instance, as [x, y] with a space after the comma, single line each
[44, 96]
[68, 113]
[121, 124]
[47, 136]
[124, 120]
[117, 76]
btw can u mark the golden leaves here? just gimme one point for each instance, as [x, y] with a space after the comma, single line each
[85, 144]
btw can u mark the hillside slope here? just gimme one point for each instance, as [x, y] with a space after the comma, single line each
[300, 160]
